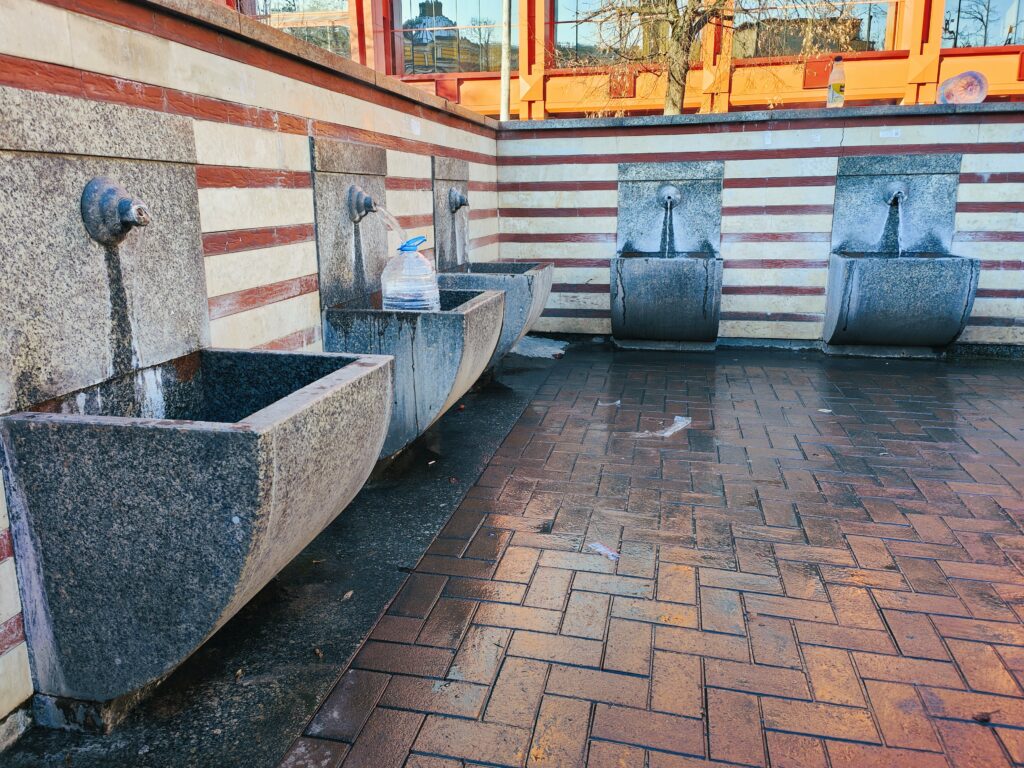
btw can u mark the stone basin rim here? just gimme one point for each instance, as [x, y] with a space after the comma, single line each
[257, 422]
[893, 255]
[481, 297]
[670, 256]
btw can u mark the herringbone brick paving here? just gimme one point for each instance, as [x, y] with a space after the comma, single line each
[824, 569]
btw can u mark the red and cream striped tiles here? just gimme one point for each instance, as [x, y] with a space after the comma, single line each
[777, 212]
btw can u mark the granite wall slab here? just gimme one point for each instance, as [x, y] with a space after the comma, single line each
[351, 256]
[73, 312]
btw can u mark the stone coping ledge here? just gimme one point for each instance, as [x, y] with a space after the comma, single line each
[238, 25]
[767, 115]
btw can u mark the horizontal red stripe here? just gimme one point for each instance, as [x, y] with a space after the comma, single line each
[12, 633]
[776, 237]
[55, 78]
[988, 237]
[774, 317]
[1000, 293]
[260, 296]
[482, 186]
[412, 146]
[203, 36]
[416, 220]
[992, 178]
[588, 186]
[558, 237]
[6, 544]
[987, 207]
[795, 153]
[772, 290]
[593, 313]
[556, 186]
[52, 78]
[550, 213]
[745, 126]
[480, 242]
[774, 210]
[580, 288]
[566, 263]
[408, 183]
[780, 181]
[293, 341]
[775, 263]
[476, 214]
[224, 176]
[1002, 265]
[996, 322]
[235, 240]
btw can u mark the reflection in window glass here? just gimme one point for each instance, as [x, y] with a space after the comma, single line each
[585, 34]
[452, 36]
[321, 22]
[802, 29]
[976, 23]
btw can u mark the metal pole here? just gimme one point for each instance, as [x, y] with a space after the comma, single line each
[506, 57]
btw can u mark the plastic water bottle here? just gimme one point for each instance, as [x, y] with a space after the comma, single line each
[409, 281]
[836, 84]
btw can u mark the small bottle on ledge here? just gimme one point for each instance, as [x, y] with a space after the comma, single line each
[836, 84]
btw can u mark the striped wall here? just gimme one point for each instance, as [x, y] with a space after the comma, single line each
[256, 96]
[254, 107]
[15, 682]
[557, 198]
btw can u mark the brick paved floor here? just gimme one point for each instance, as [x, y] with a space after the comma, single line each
[825, 568]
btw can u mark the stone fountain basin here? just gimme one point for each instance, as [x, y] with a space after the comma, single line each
[437, 355]
[148, 509]
[526, 286]
[908, 300]
[666, 298]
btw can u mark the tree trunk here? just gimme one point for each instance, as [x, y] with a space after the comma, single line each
[677, 64]
[675, 91]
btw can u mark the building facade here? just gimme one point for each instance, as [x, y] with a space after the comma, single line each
[898, 51]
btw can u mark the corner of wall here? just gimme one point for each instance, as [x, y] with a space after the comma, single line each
[15, 677]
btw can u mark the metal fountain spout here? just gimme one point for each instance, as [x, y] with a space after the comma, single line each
[457, 199]
[110, 212]
[896, 198]
[669, 196]
[359, 204]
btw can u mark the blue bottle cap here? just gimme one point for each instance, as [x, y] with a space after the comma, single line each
[412, 243]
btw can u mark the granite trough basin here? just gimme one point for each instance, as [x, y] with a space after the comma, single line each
[671, 301]
[526, 287]
[908, 300]
[437, 355]
[149, 508]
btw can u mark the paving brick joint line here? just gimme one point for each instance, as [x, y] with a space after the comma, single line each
[826, 568]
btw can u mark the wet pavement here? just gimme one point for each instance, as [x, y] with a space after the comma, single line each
[240, 699]
[822, 568]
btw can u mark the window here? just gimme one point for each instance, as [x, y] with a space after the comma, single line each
[792, 30]
[592, 32]
[451, 36]
[977, 23]
[321, 22]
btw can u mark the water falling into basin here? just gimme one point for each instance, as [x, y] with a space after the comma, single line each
[391, 222]
[667, 234]
[668, 197]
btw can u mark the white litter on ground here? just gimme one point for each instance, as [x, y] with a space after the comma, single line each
[824, 410]
[680, 422]
[537, 346]
[617, 402]
[601, 549]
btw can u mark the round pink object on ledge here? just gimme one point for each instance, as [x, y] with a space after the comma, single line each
[966, 88]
